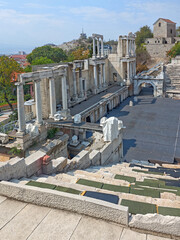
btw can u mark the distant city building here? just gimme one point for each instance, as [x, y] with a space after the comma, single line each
[21, 59]
[107, 49]
[83, 35]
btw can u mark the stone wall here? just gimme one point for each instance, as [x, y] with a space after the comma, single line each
[40, 162]
[158, 50]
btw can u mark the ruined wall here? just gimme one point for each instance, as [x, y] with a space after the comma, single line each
[158, 50]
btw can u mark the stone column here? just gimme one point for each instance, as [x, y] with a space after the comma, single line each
[80, 83]
[98, 48]
[74, 83]
[52, 96]
[64, 93]
[127, 47]
[104, 75]
[100, 85]
[95, 78]
[20, 106]
[128, 73]
[102, 48]
[94, 48]
[38, 101]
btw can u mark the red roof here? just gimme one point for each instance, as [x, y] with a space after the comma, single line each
[165, 20]
[19, 56]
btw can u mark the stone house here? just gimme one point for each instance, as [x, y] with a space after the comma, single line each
[164, 32]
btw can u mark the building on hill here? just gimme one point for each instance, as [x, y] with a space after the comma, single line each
[83, 35]
[164, 32]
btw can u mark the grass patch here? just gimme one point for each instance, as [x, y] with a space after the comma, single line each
[41, 185]
[169, 211]
[126, 178]
[68, 190]
[139, 207]
[116, 188]
[148, 192]
[89, 183]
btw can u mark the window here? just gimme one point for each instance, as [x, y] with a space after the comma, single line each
[159, 24]
[171, 31]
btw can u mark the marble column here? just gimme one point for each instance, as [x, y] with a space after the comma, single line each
[20, 106]
[64, 93]
[38, 101]
[102, 48]
[95, 77]
[127, 47]
[52, 96]
[98, 48]
[74, 84]
[80, 83]
[104, 75]
[100, 85]
[94, 48]
[128, 73]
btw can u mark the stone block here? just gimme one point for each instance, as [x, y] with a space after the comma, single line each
[47, 168]
[34, 162]
[116, 142]
[17, 168]
[4, 138]
[4, 171]
[94, 157]
[77, 118]
[70, 202]
[157, 223]
[59, 164]
[82, 160]
[106, 152]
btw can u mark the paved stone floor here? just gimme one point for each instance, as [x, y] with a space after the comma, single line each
[92, 100]
[21, 221]
[152, 128]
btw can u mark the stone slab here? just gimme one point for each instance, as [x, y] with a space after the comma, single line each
[61, 200]
[2, 199]
[57, 225]
[128, 234]
[152, 237]
[157, 223]
[94, 156]
[106, 152]
[8, 209]
[22, 225]
[90, 228]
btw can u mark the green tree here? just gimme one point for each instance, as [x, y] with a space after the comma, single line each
[41, 60]
[142, 34]
[55, 54]
[8, 73]
[175, 50]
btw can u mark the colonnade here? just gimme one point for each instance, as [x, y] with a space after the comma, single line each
[82, 93]
[99, 74]
[37, 83]
[130, 47]
[98, 38]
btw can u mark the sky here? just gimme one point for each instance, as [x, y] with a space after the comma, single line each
[26, 24]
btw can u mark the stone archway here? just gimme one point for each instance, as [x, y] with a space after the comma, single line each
[139, 83]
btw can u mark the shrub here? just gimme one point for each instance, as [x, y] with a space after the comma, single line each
[51, 133]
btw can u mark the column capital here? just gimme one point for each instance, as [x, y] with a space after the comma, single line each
[19, 83]
[37, 80]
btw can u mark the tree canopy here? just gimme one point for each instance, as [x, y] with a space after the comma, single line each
[41, 60]
[175, 50]
[54, 54]
[79, 54]
[142, 34]
[8, 73]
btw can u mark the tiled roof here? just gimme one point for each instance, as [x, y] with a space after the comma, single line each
[165, 20]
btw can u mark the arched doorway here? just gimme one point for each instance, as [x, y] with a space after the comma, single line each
[146, 90]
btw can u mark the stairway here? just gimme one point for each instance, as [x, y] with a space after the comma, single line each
[172, 80]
